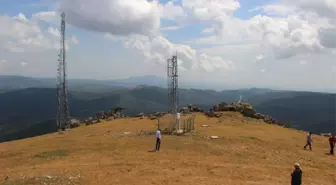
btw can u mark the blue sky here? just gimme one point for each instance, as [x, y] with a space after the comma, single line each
[235, 51]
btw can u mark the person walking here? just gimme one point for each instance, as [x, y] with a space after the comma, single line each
[309, 141]
[296, 175]
[158, 140]
[332, 141]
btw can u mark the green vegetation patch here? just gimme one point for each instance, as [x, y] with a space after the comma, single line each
[52, 154]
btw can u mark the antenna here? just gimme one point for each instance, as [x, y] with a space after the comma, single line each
[240, 99]
[62, 115]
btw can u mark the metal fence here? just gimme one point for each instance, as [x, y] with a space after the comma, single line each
[170, 125]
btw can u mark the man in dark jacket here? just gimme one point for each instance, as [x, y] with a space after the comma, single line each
[332, 141]
[297, 175]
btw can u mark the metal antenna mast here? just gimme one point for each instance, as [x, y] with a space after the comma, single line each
[172, 74]
[62, 117]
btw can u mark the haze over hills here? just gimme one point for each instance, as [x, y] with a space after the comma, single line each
[28, 105]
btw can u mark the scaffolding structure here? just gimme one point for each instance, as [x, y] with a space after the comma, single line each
[62, 115]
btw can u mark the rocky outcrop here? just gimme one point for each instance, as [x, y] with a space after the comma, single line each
[235, 107]
[74, 123]
[245, 109]
[191, 108]
[114, 113]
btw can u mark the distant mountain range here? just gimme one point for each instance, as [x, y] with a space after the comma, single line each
[20, 82]
[28, 105]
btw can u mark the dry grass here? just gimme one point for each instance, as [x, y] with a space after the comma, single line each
[248, 152]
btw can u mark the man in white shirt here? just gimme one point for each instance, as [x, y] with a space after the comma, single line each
[158, 140]
[309, 141]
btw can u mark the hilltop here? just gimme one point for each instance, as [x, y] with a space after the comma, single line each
[248, 151]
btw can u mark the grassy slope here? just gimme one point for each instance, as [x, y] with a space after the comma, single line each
[248, 152]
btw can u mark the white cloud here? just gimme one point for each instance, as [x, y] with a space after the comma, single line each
[23, 64]
[275, 9]
[299, 29]
[208, 30]
[2, 64]
[54, 32]
[158, 49]
[168, 28]
[287, 37]
[20, 17]
[47, 16]
[118, 17]
[327, 37]
[260, 57]
[209, 10]
[211, 64]
[303, 62]
[19, 34]
[74, 39]
[170, 11]
[137, 24]
[325, 8]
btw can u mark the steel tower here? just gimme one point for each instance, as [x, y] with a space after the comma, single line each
[172, 76]
[62, 117]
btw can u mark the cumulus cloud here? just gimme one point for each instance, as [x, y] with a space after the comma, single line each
[263, 70]
[23, 64]
[327, 37]
[303, 62]
[54, 32]
[287, 36]
[210, 64]
[169, 28]
[137, 24]
[275, 9]
[208, 30]
[20, 34]
[170, 11]
[118, 17]
[260, 57]
[47, 16]
[325, 8]
[287, 28]
[2, 64]
[209, 10]
[74, 39]
[158, 49]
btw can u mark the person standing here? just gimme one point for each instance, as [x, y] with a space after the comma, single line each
[332, 141]
[158, 140]
[296, 175]
[309, 141]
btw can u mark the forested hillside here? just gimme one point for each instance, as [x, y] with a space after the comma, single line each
[29, 112]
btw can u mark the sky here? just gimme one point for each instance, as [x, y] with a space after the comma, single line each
[285, 44]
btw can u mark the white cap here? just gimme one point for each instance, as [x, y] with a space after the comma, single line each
[297, 165]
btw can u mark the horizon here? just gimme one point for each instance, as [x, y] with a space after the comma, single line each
[192, 86]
